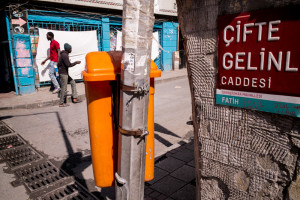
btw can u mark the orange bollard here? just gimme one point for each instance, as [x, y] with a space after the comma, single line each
[100, 71]
[149, 160]
[102, 68]
[102, 138]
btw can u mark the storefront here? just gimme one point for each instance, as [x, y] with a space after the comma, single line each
[23, 24]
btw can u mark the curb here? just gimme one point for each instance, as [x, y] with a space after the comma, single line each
[40, 104]
[161, 80]
[81, 97]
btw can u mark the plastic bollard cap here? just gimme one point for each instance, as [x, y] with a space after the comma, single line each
[104, 66]
[154, 72]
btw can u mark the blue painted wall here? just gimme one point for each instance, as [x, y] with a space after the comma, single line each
[169, 44]
[158, 60]
[11, 53]
[23, 63]
[105, 34]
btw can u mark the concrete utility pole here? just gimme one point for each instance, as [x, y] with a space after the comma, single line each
[138, 21]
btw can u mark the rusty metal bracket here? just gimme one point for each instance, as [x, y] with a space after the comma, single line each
[135, 133]
[139, 90]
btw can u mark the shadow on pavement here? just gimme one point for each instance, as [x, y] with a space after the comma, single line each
[74, 159]
[161, 129]
[6, 117]
[174, 175]
[162, 140]
[174, 171]
[75, 163]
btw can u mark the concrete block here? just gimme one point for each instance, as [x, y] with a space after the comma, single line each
[188, 192]
[168, 185]
[184, 154]
[158, 174]
[170, 164]
[184, 173]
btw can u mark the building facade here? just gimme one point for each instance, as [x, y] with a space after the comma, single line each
[21, 38]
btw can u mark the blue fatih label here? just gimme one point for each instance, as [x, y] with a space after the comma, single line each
[278, 104]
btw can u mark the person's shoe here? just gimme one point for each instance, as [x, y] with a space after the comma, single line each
[63, 105]
[56, 90]
[76, 100]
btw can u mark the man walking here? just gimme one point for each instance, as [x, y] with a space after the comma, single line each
[54, 55]
[63, 70]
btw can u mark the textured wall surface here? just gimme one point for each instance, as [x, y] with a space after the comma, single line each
[241, 154]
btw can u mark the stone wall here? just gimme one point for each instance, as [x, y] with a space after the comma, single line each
[241, 154]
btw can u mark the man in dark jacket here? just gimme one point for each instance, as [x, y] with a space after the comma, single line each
[63, 70]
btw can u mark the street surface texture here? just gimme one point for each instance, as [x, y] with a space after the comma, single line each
[62, 134]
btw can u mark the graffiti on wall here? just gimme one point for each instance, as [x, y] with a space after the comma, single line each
[24, 62]
[22, 51]
[23, 57]
[25, 71]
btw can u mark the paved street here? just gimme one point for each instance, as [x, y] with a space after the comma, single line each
[172, 112]
[62, 133]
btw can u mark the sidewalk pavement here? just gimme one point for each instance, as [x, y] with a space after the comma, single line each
[174, 174]
[43, 97]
